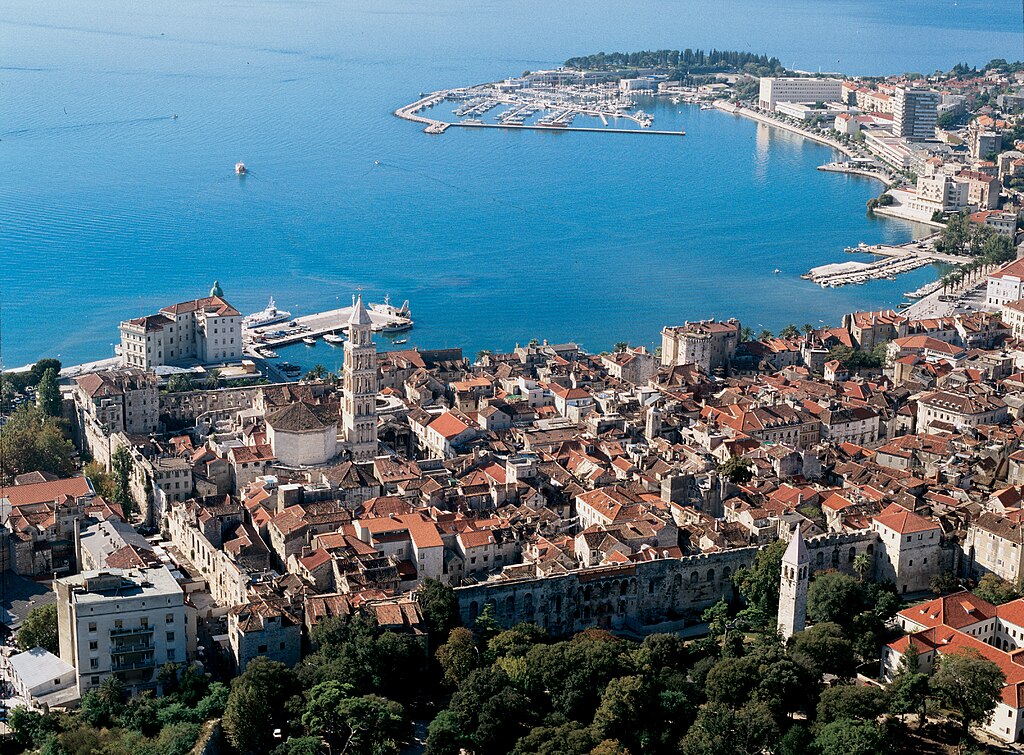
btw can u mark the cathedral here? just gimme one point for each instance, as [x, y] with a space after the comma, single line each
[359, 381]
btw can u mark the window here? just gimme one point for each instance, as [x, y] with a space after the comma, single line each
[170, 654]
[262, 649]
[282, 646]
[93, 645]
[92, 626]
[169, 618]
[94, 681]
[118, 624]
[170, 636]
[94, 663]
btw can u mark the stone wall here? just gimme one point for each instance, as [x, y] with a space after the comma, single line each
[637, 597]
[186, 406]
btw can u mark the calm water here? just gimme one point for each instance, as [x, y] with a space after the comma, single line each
[110, 207]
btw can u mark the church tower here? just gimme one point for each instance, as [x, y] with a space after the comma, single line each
[793, 586]
[359, 406]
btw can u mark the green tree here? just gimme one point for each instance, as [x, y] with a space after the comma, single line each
[40, 629]
[823, 649]
[487, 714]
[557, 738]
[257, 705]
[101, 480]
[48, 395]
[31, 441]
[122, 465]
[759, 585]
[834, 597]
[765, 335]
[862, 565]
[995, 590]
[790, 331]
[372, 725]
[180, 383]
[732, 681]
[440, 608]
[851, 701]
[908, 690]
[317, 373]
[969, 684]
[458, 656]
[621, 346]
[737, 470]
[944, 583]
[721, 730]
[625, 713]
[515, 642]
[104, 705]
[849, 737]
[717, 618]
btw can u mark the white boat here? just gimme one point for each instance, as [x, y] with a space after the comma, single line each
[397, 327]
[267, 316]
[240, 169]
[402, 340]
[707, 106]
[309, 341]
[776, 271]
[270, 354]
[333, 338]
[389, 309]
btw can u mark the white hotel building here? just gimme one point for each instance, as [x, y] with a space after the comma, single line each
[798, 89]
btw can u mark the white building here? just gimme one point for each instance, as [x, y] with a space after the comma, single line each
[915, 112]
[359, 405]
[42, 679]
[207, 330]
[958, 412]
[707, 344]
[1006, 284]
[122, 622]
[798, 89]
[302, 435]
[910, 554]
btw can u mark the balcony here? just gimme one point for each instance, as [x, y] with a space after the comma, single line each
[132, 647]
[129, 631]
[134, 666]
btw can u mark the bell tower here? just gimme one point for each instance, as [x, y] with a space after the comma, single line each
[796, 564]
[359, 381]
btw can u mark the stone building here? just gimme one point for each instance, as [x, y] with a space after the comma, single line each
[359, 379]
[208, 331]
[707, 344]
[124, 400]
[793, 586]
[264, 627]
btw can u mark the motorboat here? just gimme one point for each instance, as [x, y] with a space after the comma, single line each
[333, 338]
[240, 169]
[401, 341]
[309, 341]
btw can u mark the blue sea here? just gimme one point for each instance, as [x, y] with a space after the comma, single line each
[110, 206]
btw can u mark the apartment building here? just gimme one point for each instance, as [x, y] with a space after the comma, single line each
[798, 89]
[915, 112]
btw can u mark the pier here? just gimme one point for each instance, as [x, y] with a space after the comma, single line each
[597, 129]
[257, 340]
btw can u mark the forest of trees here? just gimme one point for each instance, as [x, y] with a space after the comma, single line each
[682, 63]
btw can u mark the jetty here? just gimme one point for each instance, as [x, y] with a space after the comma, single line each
[269, 337]
[846, 273]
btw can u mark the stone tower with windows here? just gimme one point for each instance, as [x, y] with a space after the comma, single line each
[796, 565]
[359, 406]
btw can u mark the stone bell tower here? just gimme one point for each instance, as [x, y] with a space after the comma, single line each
[796, 565]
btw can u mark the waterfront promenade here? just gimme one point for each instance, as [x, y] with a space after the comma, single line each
[729, 107]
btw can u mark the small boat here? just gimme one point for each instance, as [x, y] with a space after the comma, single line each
[776, 271]
[397, 327]
[240, 169]
[289, 367]
[333, 338]
[401, 341]
[309, 341]
[270, 354]
[707, 106]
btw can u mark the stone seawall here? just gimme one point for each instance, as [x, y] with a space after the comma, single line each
[637, 597]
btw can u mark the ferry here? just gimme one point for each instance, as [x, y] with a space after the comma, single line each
[309, 341]
[268, 316]
[240, 169]
[333, 338]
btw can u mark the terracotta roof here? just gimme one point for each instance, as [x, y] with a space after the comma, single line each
[46, 492]
[903, 521]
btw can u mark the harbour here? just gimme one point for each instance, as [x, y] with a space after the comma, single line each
[329, 325]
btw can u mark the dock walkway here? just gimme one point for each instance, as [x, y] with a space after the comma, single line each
[316, 325]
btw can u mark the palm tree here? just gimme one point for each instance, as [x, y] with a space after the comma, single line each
[765, 335]
[790, 331]
[746, 334]
[317, 373]
[808, 328]
[862, 565]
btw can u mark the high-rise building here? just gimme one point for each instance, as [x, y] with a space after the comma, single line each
[798, 89]
[359, 406]
[915, 112]
[796, 564]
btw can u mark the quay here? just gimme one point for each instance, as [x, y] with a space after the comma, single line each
[847, 273]
[315, 326]
[598, 129]
[855, 171]
[729, 107]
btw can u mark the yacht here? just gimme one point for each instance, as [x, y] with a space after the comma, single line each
[333, 338]
[309, 341]
[240, 169]
[267, 316]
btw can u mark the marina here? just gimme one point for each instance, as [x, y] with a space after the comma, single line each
[262, 341]
[554, 105]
